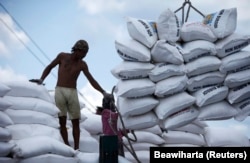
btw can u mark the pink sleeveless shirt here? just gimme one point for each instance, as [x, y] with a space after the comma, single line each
[109, 119]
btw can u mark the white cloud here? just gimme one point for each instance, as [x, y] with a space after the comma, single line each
[10, 35]
[7, 74]
[3, 49]
[98, 6]
[92, 97]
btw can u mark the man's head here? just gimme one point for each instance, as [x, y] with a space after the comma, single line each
[81, 45]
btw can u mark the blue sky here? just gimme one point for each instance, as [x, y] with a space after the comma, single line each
[55, 25]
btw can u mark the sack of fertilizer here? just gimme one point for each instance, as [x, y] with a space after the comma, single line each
[164, 51]
[132, 70]
[191, 31]
[132, 50]
[168, 26]
[231, 44]
[223, 23]
[196, 49]
[164, 70]
[236, 62]
[142, 30]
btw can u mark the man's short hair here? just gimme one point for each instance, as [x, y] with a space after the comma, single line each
[80, 45]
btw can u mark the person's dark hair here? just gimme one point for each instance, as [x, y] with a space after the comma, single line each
[80, 45]
[108, 102]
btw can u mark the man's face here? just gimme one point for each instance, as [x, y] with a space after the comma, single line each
[81, 53]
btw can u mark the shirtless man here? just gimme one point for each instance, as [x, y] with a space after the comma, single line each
[66, 96]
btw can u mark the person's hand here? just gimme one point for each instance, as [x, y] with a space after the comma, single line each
[38, 81]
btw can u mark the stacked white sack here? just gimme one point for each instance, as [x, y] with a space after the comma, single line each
[6, 145]
[35, 128]
[145, 138]
[234, 59]
[134, 88]
[189, 135]
[190, 73]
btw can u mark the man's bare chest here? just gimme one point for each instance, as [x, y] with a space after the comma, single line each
[69, 66]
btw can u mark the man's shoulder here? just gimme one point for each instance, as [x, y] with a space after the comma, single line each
[63, 54]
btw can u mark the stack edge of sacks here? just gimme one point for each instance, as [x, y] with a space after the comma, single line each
[6, 145]
[34, 127]
[174, 75]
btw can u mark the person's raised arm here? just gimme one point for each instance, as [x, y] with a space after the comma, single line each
[47, 70]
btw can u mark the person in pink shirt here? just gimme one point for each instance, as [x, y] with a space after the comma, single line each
[109, 121]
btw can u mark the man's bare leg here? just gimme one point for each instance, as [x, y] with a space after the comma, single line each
[76, 132]
[63, 129]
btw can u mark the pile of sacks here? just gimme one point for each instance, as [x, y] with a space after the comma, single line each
[29, 128]
[30, 119]
[174, 75]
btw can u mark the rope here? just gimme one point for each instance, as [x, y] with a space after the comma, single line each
[131, 149]
[182, 8]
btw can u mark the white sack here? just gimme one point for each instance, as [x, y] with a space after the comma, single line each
[93, 124]
[4, 89]
[28, 89]
[4, 104]
[243, 110]
[136, 106]
[197, 48]
[202, 65]
[94, 158]
[231, 44]
[88, 157]
[191, 31]
[135, 88]
[145, 137]
[137, 122]
[233, 80]
[180, 137]
[49, 158]
[235, 62]
[33, 104]
[143, 156]
[173, 104]
[5, 134]
[210, 95]
[5, 120]
[191, 127]
[168, 52]
[179, 145]
[217, 111]
[180, 118]
[238, 94]
[86, 144]
[171, 86]
[168, 26]
[225, 137]
[142, 30]
[165, 70]
[132, 50]
[8, 160]
[131, 70]
[5, 148]
[205, 80]
[31, 117]
[39, 145]
[154, 129]
[222, 23]
[141, 146]
[21, 131]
